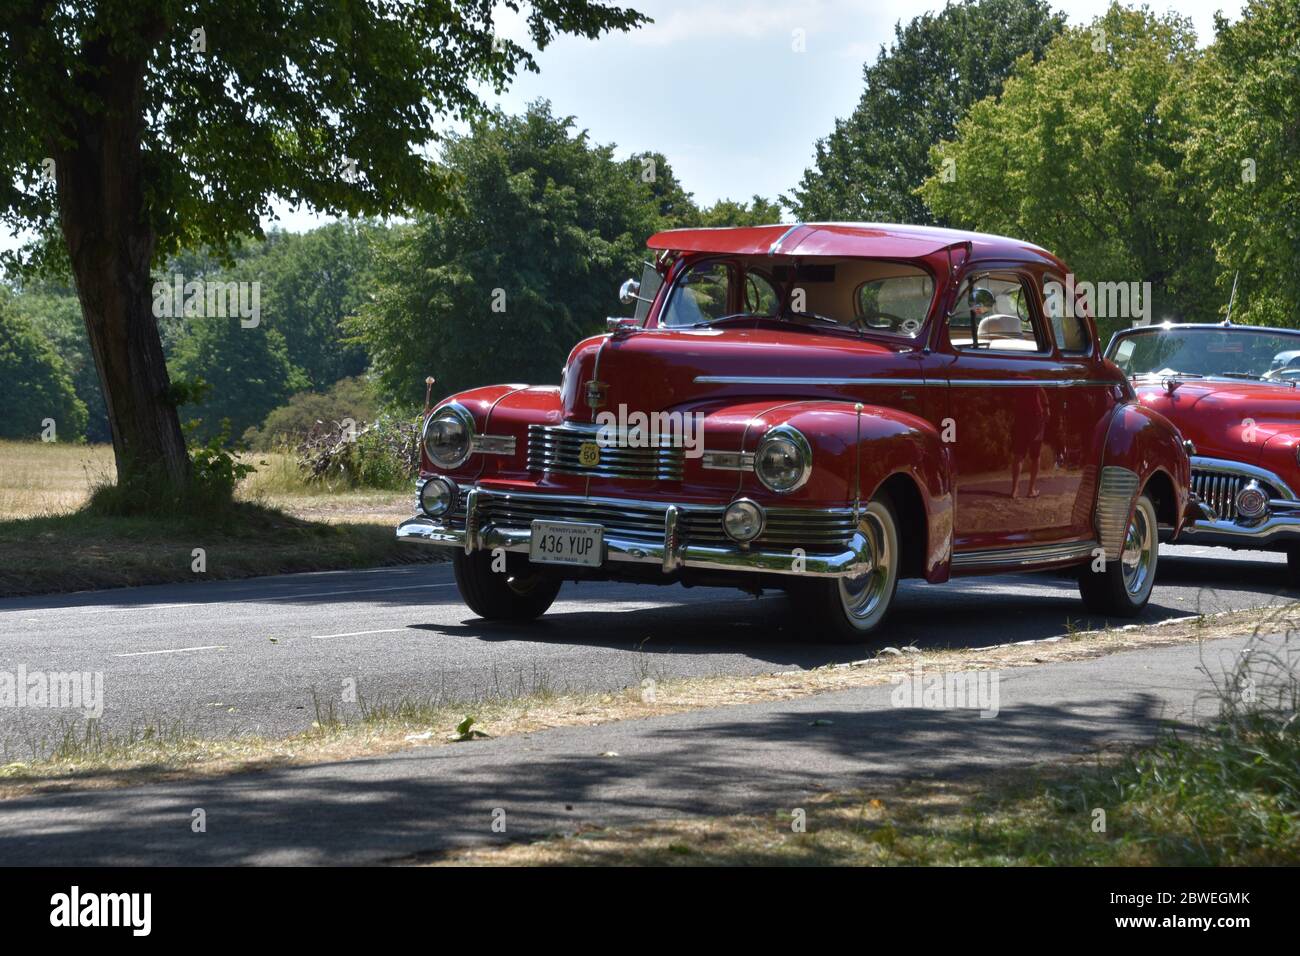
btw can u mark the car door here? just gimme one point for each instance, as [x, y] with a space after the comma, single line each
[1012, 484]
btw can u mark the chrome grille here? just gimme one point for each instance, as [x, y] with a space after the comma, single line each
[818, 531]
[555, 448]
[1219, 490]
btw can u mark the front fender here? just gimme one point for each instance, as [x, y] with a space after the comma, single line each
[1143, 450]
[855, 457]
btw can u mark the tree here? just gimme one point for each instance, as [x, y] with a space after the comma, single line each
[175, 123]
[939, 64]
[310, 283]
[246, 372]
[35, 388]
[552, 225]
[728, 212]
[1083, 154]
[1246, 154]
[55, 314]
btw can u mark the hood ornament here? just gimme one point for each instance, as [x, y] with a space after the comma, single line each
[596, 392]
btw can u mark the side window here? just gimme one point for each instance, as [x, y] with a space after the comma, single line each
[1068, 328]
[701, 295]
[992, 313]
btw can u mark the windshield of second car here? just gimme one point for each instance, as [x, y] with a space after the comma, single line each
[864, 295]
[1223, 353]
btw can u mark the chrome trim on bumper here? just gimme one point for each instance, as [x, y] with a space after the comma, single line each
[1278, 528]
[671, 552]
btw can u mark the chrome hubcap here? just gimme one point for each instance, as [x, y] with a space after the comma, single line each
[1138, 554]
[863, 595]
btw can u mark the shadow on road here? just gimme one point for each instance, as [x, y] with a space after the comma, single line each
[432, 800]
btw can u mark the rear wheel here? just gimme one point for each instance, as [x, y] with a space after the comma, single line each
[520, 592]
[1121, 588]
[849, 610]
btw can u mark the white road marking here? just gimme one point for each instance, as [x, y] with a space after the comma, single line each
[175, 650]
[251, 600]
[384, 630]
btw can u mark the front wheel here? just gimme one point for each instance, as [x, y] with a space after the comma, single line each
[517, 592]
[1293, 568]
[848, 610]
[1121, 588]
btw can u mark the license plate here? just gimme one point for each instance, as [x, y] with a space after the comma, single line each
[556, 542]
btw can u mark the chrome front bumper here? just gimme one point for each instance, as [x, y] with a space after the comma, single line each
[672, 552]
[1277, 529]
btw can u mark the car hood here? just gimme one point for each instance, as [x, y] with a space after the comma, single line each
[657, 370]
[1233, 420]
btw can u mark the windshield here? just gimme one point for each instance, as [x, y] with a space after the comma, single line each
[1210, 352]
[862, 295]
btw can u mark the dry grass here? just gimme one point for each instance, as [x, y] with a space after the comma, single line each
[95, 759]
[39, 479]
[279, 525]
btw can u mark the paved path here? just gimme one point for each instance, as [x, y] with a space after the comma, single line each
[759, 758]
[256, 655]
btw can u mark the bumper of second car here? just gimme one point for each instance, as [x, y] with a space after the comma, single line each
[1278, 531]
[474, 529]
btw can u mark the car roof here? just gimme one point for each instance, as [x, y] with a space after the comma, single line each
[1206, 326]
[884, 240]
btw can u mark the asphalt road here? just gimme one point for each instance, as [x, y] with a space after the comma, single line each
[258, 655]
[759, 758]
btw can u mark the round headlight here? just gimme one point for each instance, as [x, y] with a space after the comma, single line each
[743, 520]
[783, 461]
[437, 497]
[449, 436]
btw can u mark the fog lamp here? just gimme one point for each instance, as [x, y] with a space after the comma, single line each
[743, 521]
[437, 497]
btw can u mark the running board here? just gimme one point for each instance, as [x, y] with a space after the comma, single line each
[1021, 557]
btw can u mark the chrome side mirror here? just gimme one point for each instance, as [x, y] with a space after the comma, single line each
[629, 291]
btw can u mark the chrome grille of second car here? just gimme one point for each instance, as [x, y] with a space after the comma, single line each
[817, 531]
[558, 448]
[1219, 490]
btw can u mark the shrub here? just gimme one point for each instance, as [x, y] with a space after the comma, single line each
[307, 412]
[382, 454]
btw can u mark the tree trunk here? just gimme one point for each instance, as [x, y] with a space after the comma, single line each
[111, 242]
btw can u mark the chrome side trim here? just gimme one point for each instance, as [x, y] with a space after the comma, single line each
[1115, 493]
[775, 247]
[727, 461]
[1022, 557]
[493, 444]
[805, 380]
[1223, 466]
[902, 382]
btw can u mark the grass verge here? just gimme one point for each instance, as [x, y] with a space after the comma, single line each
[81, 551]
[87, 756]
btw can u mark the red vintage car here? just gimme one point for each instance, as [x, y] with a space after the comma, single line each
[820, 408]
[1231, 390]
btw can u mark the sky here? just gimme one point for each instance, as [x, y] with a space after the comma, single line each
[718, 87]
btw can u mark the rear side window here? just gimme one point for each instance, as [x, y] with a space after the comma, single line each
[1068, 327]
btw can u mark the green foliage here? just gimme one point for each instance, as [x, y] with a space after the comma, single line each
[727, 212]
[55, 313]
[307, 412]
[553, 224]
[310, 283]
[1246, 153]
[35, 383]
[349, 97]
[915, 92]
[247, 372]
[382, 454]
[216, 470]
[1083, 154]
